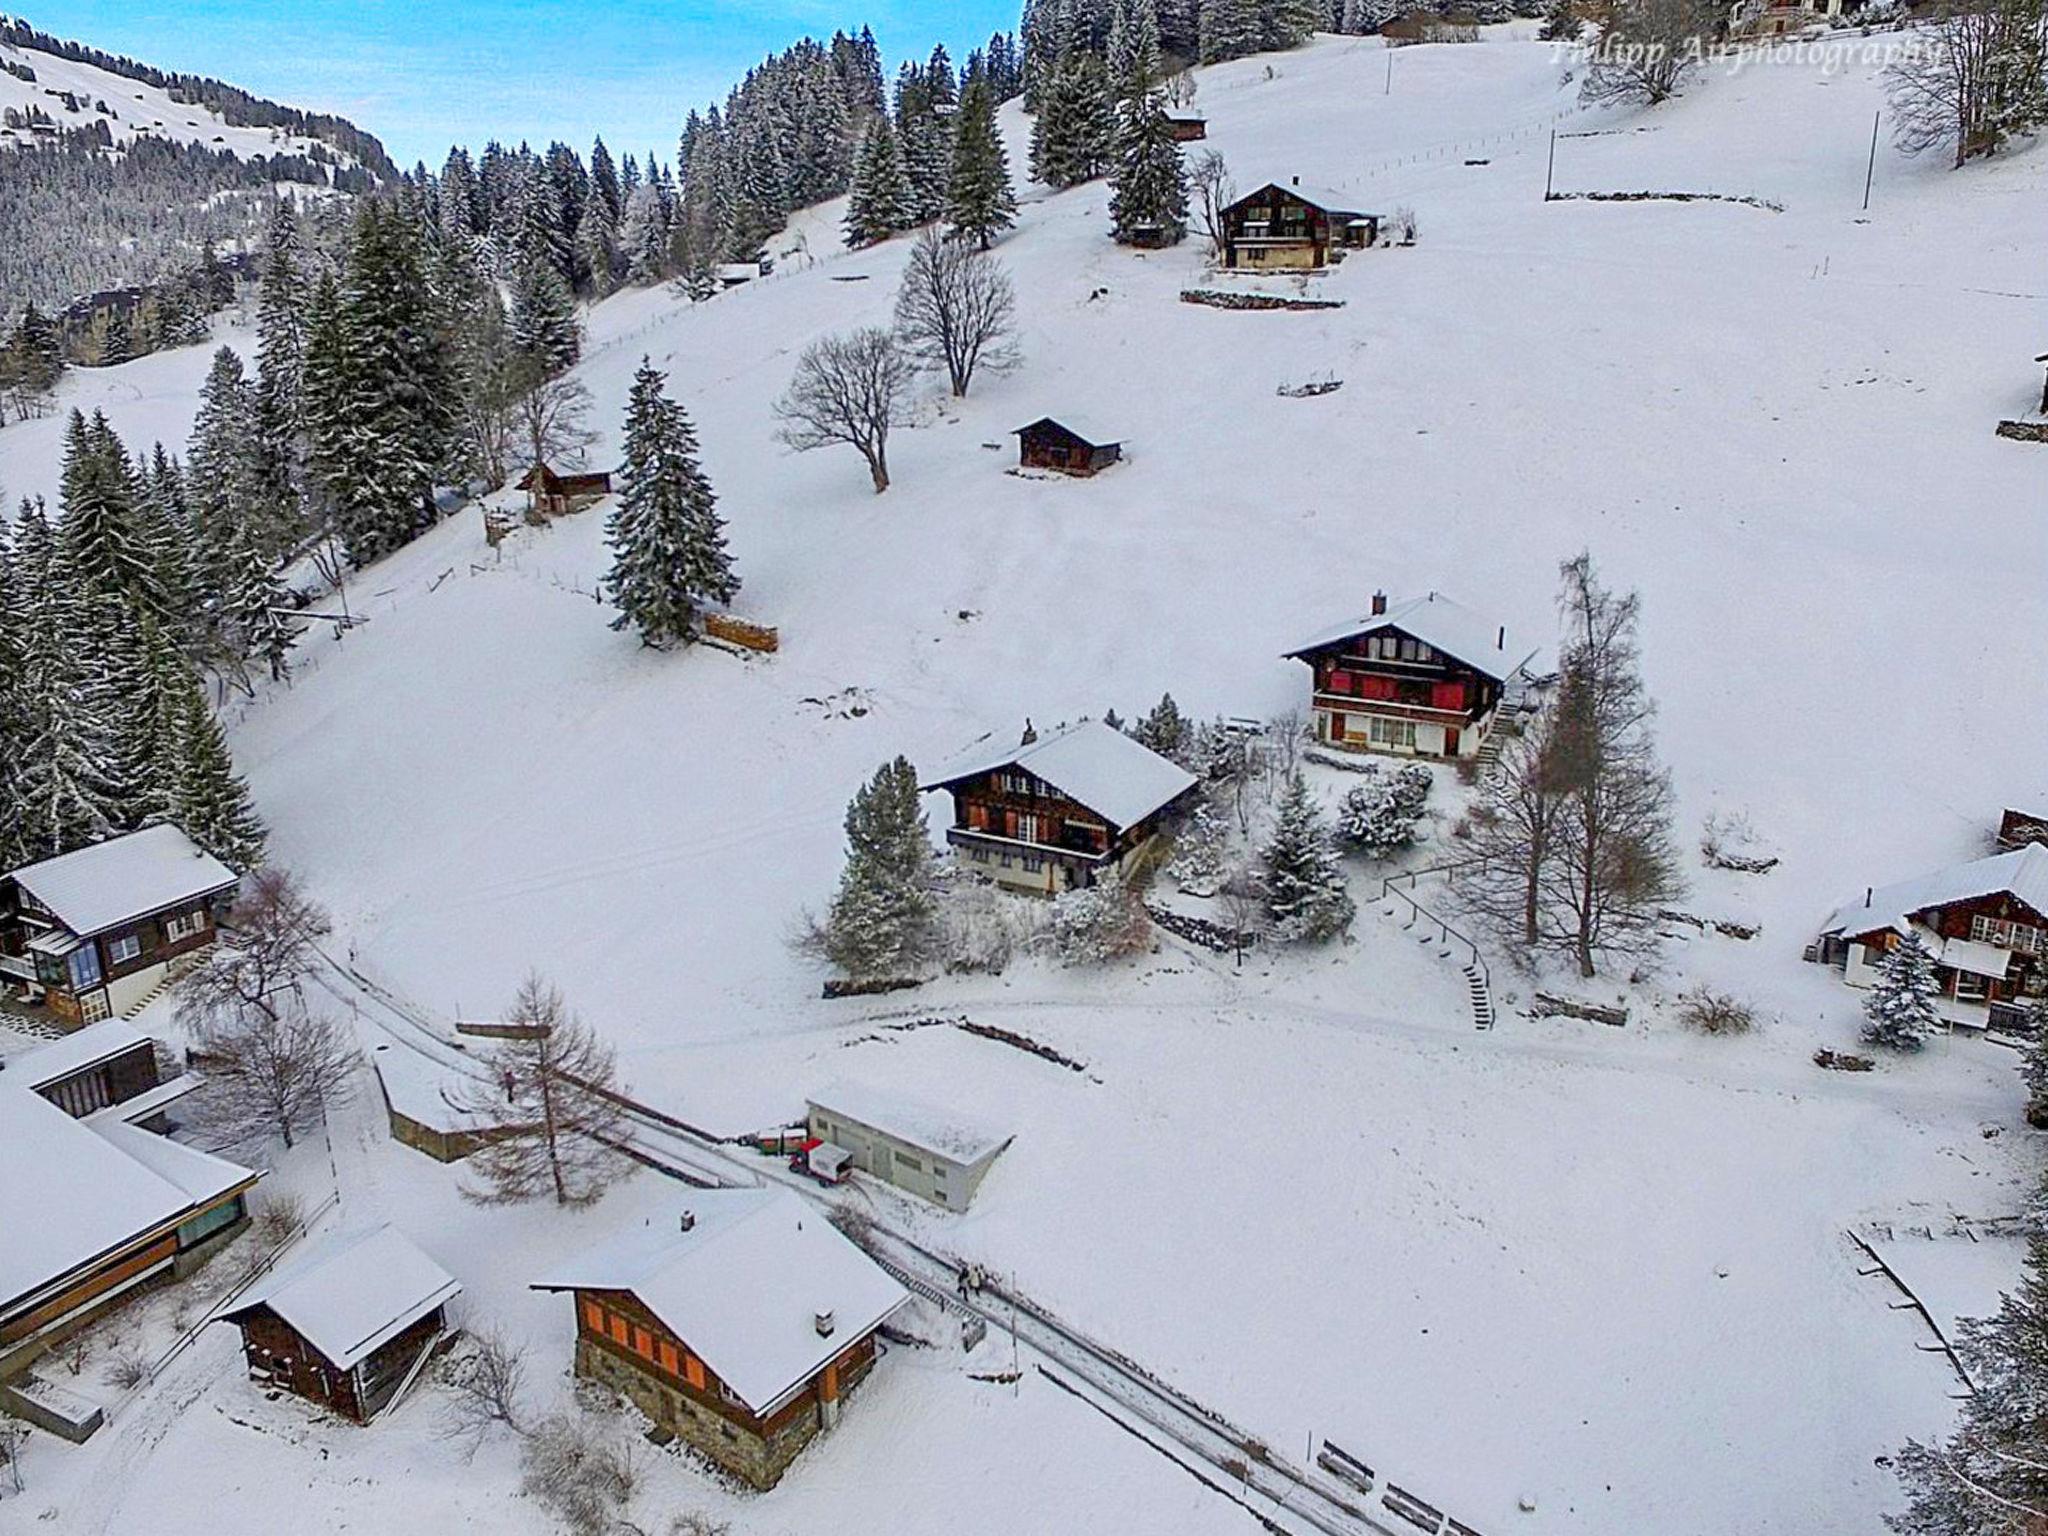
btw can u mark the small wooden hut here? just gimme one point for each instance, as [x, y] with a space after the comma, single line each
[549, 494]
[1072, 448]
[1187, 127]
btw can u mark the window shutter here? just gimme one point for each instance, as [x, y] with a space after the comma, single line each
[1447, 696]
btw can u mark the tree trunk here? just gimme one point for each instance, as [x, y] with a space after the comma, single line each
[878, 467]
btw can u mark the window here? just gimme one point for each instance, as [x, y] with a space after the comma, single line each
[910, 1162]
[120, 951]
[1007, 860]
[643, 1343]
[593, 1316]
[619, 1330]
[1340, 682]
[184, 926]
[206, 1223]
[2023, 937]
[1390, 733]
[1027, 829]
[85, 967]
[1970, 987]
[1408, 652]
[669, 1362]
[1033, 864]
[693, 1371]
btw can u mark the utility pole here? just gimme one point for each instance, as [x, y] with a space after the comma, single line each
[1550, 169]
[1870, 174]
[1390, 74]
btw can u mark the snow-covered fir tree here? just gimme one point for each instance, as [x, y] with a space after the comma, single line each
[1305, 891]
[883, 922]
[256, 608]
[1290, 23]
[280, 369]
[2034, 1062]
[213, 804]
[1165, 730]
[1148, 202]
[666, 538]
[881, 202]
[644, 236]
[1201, 850]
[225, 463]
[542, 324]
[1900, 1011]
[1230, 29]
[980, 203]
[1072, 135]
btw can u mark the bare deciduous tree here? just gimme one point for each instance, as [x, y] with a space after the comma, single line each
[273, 1063]
[849, 389]
[486, 1384]
[552, 1125]
[1974, 75]
[551, 417]
[1515, 829]
[956, 309]
[581, 1476]
[1645, 49]
[1213, 190]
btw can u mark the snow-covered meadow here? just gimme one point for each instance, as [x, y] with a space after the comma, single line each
[1601, 1270]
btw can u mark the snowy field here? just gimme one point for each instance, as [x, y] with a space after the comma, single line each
[1602, 1270]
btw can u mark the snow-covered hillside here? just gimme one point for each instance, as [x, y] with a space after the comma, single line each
[135, 109]
[1601, 1272]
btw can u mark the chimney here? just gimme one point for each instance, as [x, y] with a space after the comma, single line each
[1500, 642]
[824, 1323]
[1030, 733]
[689, 1220]
[1868, 892]
[1379, 604]
[1294, 181]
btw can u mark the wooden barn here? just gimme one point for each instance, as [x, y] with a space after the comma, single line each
[1984, 922]
[1187, 127]
[549, 494]
[741, 1328]
[1426, 678]
[1294, 228]
[92, 933]
[351, 1325]
[1051, 813]
[98, 1204]
[1071, 446]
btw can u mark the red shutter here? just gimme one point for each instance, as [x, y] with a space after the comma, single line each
[1009, 823]
[1376, 687]
[977, 816]
[1340, 682]
[1447, 696]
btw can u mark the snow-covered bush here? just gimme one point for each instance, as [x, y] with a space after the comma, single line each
[1378, 816]
[1098, 923]
[1900, 1009]
[1715, 1013]
[981, 928]
[1200, 853]
[1403, 225]
[576, 1473]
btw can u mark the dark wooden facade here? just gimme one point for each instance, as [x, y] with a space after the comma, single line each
[282, 1357]
[1048, 444]
[1187, 127]
[549, 494]
[1998, 918]
[2016, 829]
[623, 1344]
[1012, 825]
[1283, 228]
[1391, 691]
[126, 1075]
[84, 984]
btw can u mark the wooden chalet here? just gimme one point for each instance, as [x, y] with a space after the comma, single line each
[1294, 228]
[1426, 678]
[92, 934]
[1071, 446]
[1187, 127]
[1985, 923]
[1053, 812]
[740, 1329]
[350, 1325]
[549, 494]
[97, 1202]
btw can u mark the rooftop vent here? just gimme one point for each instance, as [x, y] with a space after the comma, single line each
[825, 1323]
[688, 1220]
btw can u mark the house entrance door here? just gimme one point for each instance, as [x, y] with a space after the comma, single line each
[1450, 741]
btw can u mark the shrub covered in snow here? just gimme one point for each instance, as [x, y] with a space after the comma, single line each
[1200, 852]
[1715, 1013]
[1098, 923]
[1379, 815]
[981, 928]
[575, 1472]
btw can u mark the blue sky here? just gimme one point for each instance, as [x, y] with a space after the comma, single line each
[428, 73]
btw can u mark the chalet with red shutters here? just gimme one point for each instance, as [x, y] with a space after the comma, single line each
[94, 932]
[1294, 228]
[350, 1325]
[1427, 677]
[1985, 923]
[1052, 812]
[740, 1327]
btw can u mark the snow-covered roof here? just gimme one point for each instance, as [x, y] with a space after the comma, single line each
[912, 1121]
[2023, 873]
[71, 1053]
[1325, 198]
[423, 1091]
[352, 1292]
[1089, 762]
[1090, 429]
[75, 1190]
[744, 1286]
[92, 889]
[1445, 625]
[1974, 956]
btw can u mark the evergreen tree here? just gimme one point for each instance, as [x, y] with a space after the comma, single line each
[328, 402]
[1134, 49]
[1230, 29]
[105, 545]
[1148, 202]
[883, 921]
[254, 609]
[604, 186]
[213, 804]
[644, 236]
[542, 325]
[1305, 891]
[1072, 135]
[980, 202]
[2034, 1062]
[667, 540]
[224, 472]
[881, 202]
[1165, 730]
[1899, 1012]
[1290, 23]
[281, 340]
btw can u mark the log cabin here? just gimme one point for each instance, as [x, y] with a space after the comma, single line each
[350, 1324]
[1984, 922]
[1072, 447]
[1187, 127]
[1053, 812]
[93, 933]
[99, 1203]
[1294, 228]
[549, 494]
[1423, 678]
[740, 1328]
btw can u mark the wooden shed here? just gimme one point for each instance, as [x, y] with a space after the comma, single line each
[1072, 447]
[1187, 127]
[551, 495]
[351, 1325]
